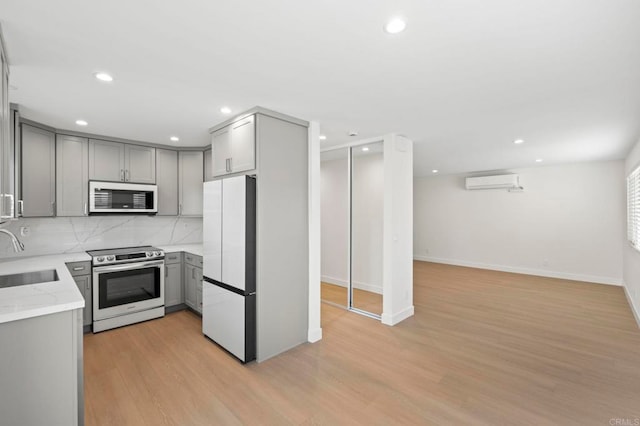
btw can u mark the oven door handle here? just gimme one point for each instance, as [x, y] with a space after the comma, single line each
[128, 266]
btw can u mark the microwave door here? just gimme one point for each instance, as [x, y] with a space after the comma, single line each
[113, 197]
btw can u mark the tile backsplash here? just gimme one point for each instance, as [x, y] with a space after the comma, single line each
[75, 234]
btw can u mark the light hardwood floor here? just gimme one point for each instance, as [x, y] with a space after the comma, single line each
[484, 347]
[365, 300]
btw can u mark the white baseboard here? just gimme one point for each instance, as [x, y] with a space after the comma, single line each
[518, 270]
[356, 284]
[633, 305]
[314, 335]
[393, 319]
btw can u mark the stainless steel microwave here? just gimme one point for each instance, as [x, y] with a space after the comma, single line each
[114, 197]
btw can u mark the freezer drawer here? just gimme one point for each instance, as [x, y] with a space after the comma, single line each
[228, 319]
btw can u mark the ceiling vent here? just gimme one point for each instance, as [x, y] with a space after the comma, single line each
[511, 181]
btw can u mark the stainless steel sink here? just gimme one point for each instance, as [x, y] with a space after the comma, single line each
[28, 278]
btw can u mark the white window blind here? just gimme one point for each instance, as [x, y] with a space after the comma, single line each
[633, 208]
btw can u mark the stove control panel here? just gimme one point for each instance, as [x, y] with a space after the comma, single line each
[115, 258]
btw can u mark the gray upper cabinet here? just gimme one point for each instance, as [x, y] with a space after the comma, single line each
[190, 172]
[167, 180]
[119, 162]
[234, 147]
[208, 165]
[106, 160]
[72, 175]
[140, 164]
[38, 172]
[6, 160]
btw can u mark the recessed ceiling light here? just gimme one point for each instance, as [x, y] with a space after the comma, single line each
[103, 76]
[434, 171]
[323, 138]
[538, 160]
[81, 123]
[366, 148]
[518, 141]
[225, 110]
[174, 138]
[395, 25]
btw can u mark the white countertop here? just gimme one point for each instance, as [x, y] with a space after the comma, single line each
[35, 300]
[189, 248]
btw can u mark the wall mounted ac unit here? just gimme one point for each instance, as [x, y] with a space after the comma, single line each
[493, 182]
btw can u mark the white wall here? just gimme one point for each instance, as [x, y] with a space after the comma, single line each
[568, 223]
[632, 256]
[76, 234]
[367, 209]
[397, 303]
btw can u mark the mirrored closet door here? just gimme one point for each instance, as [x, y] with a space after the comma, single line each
[352, 188]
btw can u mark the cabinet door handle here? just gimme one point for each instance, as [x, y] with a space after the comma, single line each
[20, 208]
[193, 274]
[53, 208]
[78, 268]
[88, 287]
[126, 175]
[180, 209]
[122, 175]
[85, 209]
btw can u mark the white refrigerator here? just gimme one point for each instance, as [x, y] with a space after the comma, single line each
[229, 265]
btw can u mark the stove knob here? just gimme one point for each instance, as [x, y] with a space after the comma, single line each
[111, 258]
[149, 254]
[157, 253]
[100, 259]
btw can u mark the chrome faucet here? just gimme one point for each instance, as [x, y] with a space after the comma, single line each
[17, 245]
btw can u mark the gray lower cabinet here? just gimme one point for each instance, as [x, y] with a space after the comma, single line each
[193, 281]
[84, 285]
[81, 272]
[190, 183]
[167, 181]
[72, 175]
[42, 370]
[199, 290]
[190, 286]
[38, 172]
[173, 286]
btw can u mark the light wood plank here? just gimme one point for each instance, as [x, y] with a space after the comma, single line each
[484, 347]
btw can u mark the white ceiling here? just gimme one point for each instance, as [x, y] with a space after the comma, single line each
[463, 81]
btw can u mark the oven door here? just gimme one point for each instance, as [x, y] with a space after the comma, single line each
[126, 288]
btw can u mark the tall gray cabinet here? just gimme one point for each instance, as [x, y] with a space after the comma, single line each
[278, 145]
